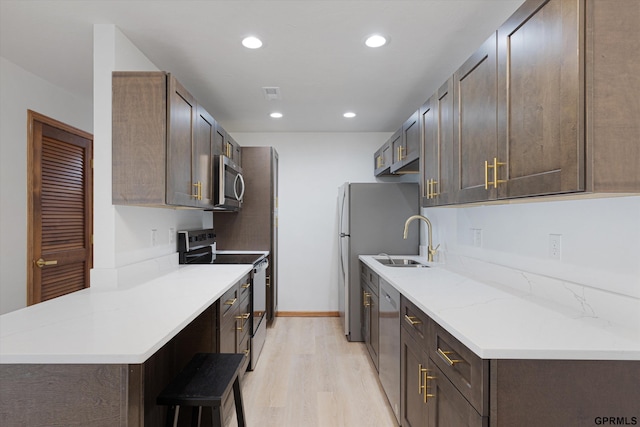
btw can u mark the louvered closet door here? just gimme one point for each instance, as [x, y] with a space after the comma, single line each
[62, 193]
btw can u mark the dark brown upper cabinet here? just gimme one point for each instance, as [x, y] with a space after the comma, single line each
[406, 146]
[475, 122]
[382, 159]
[162, 143]
[436, 126]
[540, 100]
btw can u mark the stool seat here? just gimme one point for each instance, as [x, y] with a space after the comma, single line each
[207, 380]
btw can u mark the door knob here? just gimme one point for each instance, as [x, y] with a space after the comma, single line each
[41, 263]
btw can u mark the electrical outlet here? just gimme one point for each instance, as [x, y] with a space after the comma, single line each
[477, 237]
[555, 246]
[172, 235]
[154, 237]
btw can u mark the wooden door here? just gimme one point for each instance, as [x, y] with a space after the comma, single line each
[475, 123]
[60, 209]
[182, 114]
[205, 130]
[541, 113]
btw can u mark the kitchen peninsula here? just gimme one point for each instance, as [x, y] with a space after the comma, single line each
[98, 356]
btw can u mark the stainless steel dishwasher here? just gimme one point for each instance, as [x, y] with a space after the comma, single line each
[389, 352]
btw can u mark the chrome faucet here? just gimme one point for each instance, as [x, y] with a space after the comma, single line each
[431, 251]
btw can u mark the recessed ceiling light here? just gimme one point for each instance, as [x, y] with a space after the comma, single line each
[349, 114]
[275, 115]
[375, 40]
[252, 42]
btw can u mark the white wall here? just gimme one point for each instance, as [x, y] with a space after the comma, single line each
[600, 239]
[312, 167]
[22, 91]
[123, 233]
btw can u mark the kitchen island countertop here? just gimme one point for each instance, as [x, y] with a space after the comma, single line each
[497, 324]
[123, 325]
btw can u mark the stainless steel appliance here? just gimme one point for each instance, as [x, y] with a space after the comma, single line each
[372, 217]
[198, 247]
[389, 350]
[228, 191]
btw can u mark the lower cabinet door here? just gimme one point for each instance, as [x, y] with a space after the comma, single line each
[228, 336]
[412, 363]
[446, 407]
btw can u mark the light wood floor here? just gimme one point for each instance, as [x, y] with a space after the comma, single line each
[309, 375]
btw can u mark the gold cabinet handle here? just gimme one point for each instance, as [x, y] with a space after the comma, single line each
[423, 382]
[365, 299]
[412, 320]
[245, 285]
[431, 192]
[426, 377]
[445, 356]
[242, 318]
[433, 189]
[246, 352]
[400, 148]
[494, 166]
[41, 262]
[230, 301]
[198, 195]
[486, 175]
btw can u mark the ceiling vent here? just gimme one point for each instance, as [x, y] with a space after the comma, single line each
[271, 93]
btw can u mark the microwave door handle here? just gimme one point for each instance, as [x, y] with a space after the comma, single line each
[238, 197]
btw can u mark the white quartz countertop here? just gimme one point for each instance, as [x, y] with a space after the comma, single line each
[121, 325]
[497, 324]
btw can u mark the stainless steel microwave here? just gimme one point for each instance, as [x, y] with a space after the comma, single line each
[228, 191]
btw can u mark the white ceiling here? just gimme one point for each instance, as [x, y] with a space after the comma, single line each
[313, 50]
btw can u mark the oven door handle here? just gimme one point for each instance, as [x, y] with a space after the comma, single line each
[235, 186]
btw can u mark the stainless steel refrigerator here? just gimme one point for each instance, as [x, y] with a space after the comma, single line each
[372, 217]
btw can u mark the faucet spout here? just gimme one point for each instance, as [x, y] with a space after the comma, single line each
[431, 251]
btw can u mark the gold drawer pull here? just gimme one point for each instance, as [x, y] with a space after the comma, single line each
[412, 320]
[245, 285]
[246, 352]
[426, 378]
[231, 301]
[445, 356]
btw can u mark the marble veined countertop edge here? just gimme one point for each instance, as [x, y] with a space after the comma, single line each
[497, 324]
[121, 326]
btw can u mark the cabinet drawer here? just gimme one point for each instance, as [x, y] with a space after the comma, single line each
[414, 321]
[370, 277]
[244, 288]
[229, 301]
[466, 371]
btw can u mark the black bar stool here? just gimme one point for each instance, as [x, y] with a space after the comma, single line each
[207, 380]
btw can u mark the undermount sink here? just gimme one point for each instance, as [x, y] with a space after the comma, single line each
[401, 262]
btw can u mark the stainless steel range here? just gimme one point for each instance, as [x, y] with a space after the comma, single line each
[199, 247]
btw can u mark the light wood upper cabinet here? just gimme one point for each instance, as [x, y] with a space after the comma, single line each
[475, 124]
[163, 143]
[436, 126]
